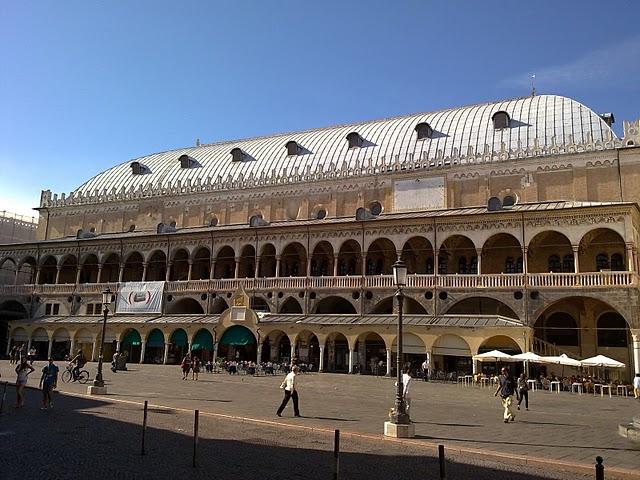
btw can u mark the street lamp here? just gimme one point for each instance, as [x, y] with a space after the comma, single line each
[400, 424]
[98, 383]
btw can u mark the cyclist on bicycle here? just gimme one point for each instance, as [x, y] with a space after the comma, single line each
[79, 361]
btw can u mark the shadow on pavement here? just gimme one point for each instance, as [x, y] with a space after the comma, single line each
[93, 438]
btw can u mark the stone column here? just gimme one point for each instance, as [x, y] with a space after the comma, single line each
[525, 263]
[190, 270]
[212, 270]
[117, 345]
[389, 356]
[215, 353]
[121, 273]
[259, 353]
[38, 270]
[144, 271]
[278, 258]
[58, 270]
[350, 360]
[335, 265]
[237, 270]
[363, 255]
[256, 272]
[94, 350]
[143, 348]
[308, 274]
[29, 344]
[50, 348]
[321, 366]
[629, 251]
[479, 257]
[576, 266]
[636, 351]
[72, 347]
[168, 273]
[165, 357]
[474, 367]
[78, 272]
[99, 273]
[189, 348]
[293, 351]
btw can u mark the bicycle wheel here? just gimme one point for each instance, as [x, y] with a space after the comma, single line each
[66, 376]
[83, 377]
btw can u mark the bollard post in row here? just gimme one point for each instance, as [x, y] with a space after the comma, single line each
[599, 468]
[144, 426]
[336, 455]
[443, 470]
[195, 436]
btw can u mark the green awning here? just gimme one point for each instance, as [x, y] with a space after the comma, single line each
[132, 338]
[179, 338]
[237, 335]
[203, 341]
[155, 339]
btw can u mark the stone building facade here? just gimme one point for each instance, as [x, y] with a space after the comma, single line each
[518, 221]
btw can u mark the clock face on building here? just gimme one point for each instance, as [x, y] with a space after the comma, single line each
[419, 194]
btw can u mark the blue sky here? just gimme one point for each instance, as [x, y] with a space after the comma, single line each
[85, 85]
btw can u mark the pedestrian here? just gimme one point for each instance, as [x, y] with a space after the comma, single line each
[506, 389]
[290, 392]
[186, 366]
[48, 382]
[31, 355]
[22, 370]
[523, 391]
[12, 355]
[636, 386]
[425, 370]
[114, 361]
[195, 368]
[406, 385]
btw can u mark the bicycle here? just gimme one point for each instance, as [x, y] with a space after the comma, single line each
[67, 375]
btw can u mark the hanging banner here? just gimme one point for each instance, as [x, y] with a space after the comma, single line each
[139, 297]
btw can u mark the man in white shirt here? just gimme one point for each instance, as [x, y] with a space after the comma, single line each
[636, 386]
[290, 391]
[406, 384]
[425, 370]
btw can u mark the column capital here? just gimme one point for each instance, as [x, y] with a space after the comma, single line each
[635, 335]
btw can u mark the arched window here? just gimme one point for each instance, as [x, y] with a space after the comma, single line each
[562, 329]
[509, 265]
[617, 262]
[462, 265]
[473, 266]
[612, 330]
[554, 264]
[602, 261]
[424, 130]
[500, 120]
[355, 140]
[567, 264]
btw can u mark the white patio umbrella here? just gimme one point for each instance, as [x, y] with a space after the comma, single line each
[493, 356]
[528, 357]
[563, 360]
[602, 361]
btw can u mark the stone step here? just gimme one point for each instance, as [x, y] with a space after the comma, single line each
[630, 431]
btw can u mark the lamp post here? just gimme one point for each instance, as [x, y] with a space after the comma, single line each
[98, 384]
[400, 424]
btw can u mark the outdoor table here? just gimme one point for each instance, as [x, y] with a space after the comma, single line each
[577, 387]
[556, 383]
[461, 381]
[602, 388]
[468, 380]
[623, 389]
[532, 384]
[484, 381]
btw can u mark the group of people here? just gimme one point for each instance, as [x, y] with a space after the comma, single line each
[19, 352]
[193, 365]
[507, 387]
[48, 381]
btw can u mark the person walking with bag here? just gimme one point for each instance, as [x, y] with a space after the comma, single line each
[506, 388]
[290, 392]
[523, 391]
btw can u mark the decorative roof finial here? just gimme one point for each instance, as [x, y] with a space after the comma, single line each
[533, 85]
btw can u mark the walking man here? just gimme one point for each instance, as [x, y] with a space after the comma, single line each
[425, 370]
[48, 382]
[406, 385]
[290, 391]
[523, 391]
[506, 389]
[636, 386]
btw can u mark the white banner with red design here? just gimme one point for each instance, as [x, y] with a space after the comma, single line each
[139, 297]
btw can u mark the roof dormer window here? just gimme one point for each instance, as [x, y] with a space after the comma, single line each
[293, 148]
[501, 120]
[187, 162]
[355, 140]
[137, 168]
[424, 130]
[238, 155]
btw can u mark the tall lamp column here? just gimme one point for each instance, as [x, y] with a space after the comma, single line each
[98, 387]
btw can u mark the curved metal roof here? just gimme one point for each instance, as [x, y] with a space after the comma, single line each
[537, 123]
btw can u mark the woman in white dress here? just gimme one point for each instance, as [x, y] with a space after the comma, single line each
[22, 370]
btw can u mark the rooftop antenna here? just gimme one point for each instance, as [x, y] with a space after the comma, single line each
[533, 85]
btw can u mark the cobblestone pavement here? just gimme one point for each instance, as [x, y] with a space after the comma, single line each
[559, 427]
